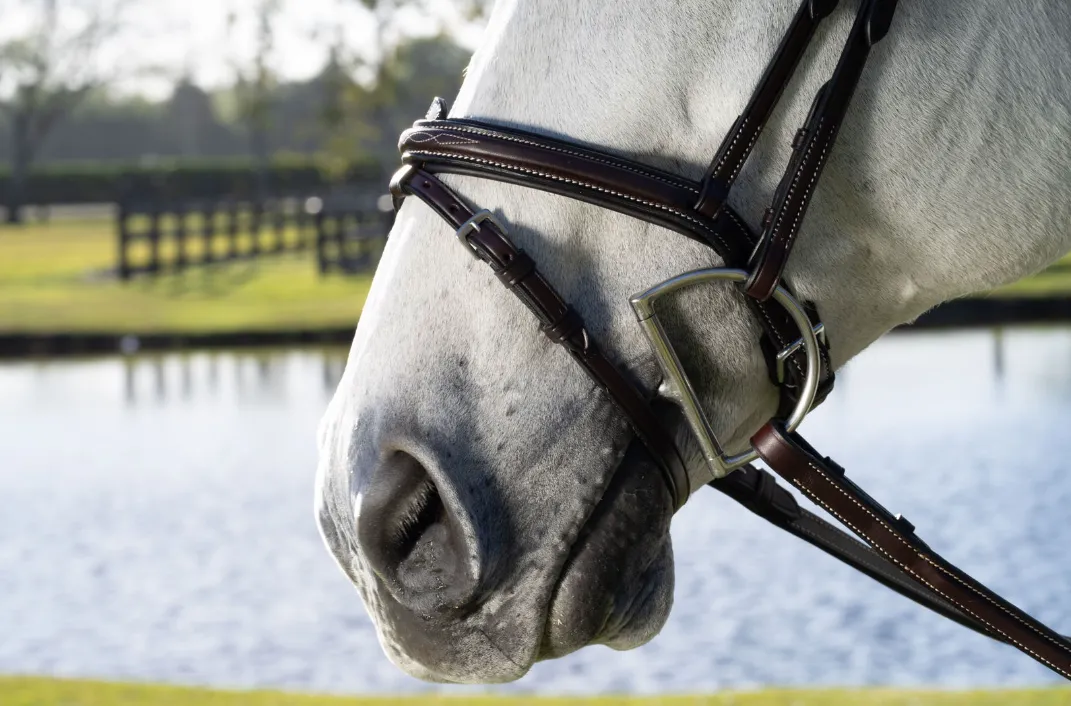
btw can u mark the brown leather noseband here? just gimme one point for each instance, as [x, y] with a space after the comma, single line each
[893, 554]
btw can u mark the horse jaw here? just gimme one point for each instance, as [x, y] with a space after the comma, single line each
[911, 211]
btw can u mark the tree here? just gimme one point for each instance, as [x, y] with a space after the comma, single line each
[402, 73]
[255, 88]
[366, 120]
[190, 119]
[45, 73]
[412, 73]
[399, 75]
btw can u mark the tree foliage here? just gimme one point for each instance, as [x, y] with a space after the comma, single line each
[367, 120]
[50, 86]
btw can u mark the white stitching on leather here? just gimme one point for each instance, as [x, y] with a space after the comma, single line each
[863, 557]
[510, 167]
[766, 316]
[811, 495]
[744, 156]
[428, 137]
[930, 561]
[789, 235]
[739, 223]
[747, 150]
[922, 556]
[866, 555]
[736, 138]
[761, 307]
[736, 220]
[511, 138]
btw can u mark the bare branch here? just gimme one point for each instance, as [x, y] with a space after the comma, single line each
[50, 69]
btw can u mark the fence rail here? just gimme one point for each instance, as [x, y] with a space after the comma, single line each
[158, 239]
[351, 241]
[167, 238]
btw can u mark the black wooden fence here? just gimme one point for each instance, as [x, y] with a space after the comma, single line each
[166, 238]
[159, 238]
[350, 237]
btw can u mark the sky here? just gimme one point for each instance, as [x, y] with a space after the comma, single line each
[164, 39]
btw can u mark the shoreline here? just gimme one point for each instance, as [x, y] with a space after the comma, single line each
[959, 314]
[48, 345]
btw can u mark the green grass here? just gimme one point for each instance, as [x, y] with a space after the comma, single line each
[1054, 281]
[33, 691]
[55, 277]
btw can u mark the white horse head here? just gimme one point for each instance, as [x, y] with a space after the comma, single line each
[489, 502]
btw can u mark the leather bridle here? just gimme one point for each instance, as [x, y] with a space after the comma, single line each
[793, 343]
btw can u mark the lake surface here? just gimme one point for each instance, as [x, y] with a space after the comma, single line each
[156, 524]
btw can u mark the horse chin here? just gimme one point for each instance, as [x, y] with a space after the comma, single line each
[616, 587]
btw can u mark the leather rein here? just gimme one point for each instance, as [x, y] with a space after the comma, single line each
[793, 340]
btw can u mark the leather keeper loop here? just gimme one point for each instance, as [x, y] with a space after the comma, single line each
[519, 268]
[564, 329]
[712, 197]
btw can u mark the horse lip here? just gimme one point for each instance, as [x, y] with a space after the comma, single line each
[635, 476]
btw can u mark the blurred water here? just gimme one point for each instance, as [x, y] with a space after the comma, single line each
[156, 523]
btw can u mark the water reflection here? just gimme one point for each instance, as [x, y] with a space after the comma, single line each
[251, 376]
[1021, 362]
[998, 354]
[156, 523]
[333, 367]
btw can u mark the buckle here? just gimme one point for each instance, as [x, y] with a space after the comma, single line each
[472, 225]
[791, 349]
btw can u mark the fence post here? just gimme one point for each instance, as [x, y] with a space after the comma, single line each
[208, 232]
[302, 223]
[124, 241]
[232, 230]
[321, 242]
[154, 239]
[255, 223]
[278, 218]
[180, 237]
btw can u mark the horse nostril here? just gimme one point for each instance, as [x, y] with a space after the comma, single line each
[413, 541]
[421, 514]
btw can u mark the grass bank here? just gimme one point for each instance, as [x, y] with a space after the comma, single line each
[57, 277]
[33, 691]
[1055, 281]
